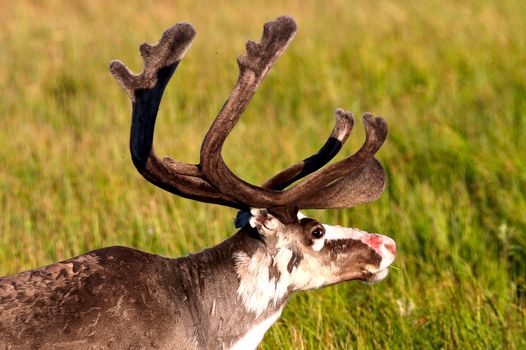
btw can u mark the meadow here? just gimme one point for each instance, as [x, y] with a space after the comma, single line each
[449, 78]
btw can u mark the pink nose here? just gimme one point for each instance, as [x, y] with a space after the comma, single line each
[391, 246]
[378, 241]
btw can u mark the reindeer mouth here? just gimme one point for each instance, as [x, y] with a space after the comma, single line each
[375, 276]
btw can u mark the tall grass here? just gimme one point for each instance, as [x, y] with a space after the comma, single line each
[449, 77]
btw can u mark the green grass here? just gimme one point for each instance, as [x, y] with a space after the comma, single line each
[450, 79]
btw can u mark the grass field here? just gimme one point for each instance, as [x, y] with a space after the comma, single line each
[449, 78]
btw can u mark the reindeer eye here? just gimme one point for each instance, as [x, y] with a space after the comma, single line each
[317, 233]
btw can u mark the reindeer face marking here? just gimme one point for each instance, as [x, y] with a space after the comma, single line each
[358, 254]
[333, 254]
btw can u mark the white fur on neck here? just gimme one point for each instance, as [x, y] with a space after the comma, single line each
[256, 289]
[253, 337]
[258, 292]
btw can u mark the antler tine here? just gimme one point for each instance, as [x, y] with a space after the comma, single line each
[344, 122]
[253, 68]
[171, 48]
[376, 133]
[146, 90]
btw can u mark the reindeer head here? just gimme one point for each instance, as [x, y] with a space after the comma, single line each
[305, 255]
[297, 253]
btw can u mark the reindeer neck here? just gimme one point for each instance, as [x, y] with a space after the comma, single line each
[230, 300]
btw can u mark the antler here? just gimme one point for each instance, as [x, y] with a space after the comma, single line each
[146, 90]
[356, 179]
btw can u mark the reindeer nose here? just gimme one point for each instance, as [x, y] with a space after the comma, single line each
[377, 242]
[390, 244]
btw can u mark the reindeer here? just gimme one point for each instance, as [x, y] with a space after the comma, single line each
[227, 296]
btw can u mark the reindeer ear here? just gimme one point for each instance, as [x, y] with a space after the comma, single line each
[360, 186]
